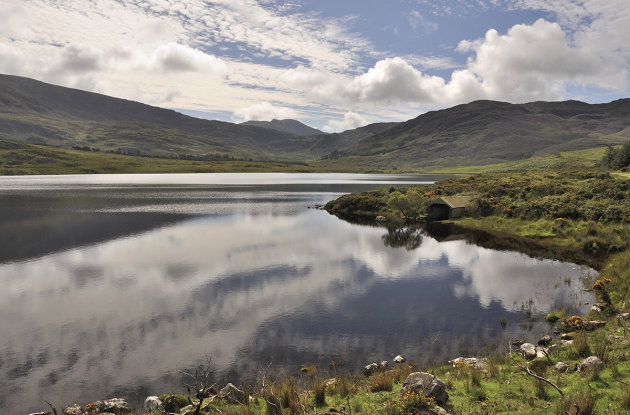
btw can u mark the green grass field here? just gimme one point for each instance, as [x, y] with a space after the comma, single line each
[28, 159]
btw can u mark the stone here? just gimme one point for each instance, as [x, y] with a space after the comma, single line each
[399, 359]
[39, 413]
[518, 342]
[152, 403]
[528, 351]
[232, 394]
[330, 383]
[623, 316]
[545, 340]
[73, 410]
[474, 362]
[114, 405]
[383, 365]
[381, 219]
[370, 369]
[429, 385]
[591, 364]
[596, 309]
[566, 336]
[565, 343]
[562, 367]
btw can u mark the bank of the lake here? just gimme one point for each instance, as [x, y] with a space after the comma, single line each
[576, 214]
[583, 215]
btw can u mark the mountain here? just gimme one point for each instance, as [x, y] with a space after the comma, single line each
[484, 132]
[287, 126]
[481, 132]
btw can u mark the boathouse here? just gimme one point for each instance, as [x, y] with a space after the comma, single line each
[448, 207]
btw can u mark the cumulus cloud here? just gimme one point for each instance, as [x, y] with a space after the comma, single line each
[351, 120]
[264, 111]
[529, 62]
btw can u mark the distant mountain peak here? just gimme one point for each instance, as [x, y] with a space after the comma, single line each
[287, 125]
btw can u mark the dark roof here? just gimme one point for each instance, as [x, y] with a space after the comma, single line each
[453, 201]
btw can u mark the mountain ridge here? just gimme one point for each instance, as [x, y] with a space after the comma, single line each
[476, 133]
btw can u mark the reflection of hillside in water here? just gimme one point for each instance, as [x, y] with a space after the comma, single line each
[247, 290]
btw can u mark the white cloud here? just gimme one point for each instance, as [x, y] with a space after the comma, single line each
[174, 57]
[416, 19]
[264, 111]
[529, 62]
[351, 120]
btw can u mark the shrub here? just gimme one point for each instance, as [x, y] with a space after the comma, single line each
[319, 394]
[382, 382]
[410, 403]
[581, 403]
[580, 347]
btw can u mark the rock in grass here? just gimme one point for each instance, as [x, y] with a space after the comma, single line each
[429, 385]
[528, 351]
[591, 364]
[73, 410]
[114, 405]
[370, 369]
[562, 367]
[474, 362]
[545, 340]
[152, 403]
[232, 394]
[399, 359]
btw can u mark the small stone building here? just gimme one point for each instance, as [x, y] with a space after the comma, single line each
[448, 207]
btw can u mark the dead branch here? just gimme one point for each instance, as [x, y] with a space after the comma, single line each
[51, 407]
[530, 373]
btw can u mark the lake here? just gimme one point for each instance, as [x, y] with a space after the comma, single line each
[114, 284]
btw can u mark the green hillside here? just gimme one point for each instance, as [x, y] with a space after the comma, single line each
[26, 159]
[38, 113]
[486, 132]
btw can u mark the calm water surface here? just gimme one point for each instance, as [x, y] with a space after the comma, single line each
[113, 284]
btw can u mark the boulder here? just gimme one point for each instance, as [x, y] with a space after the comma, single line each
[528, 351]
[370, 369]
[562, 367]
[545, 340]
[73, 410]
[399, 359]
[114, 405]
[152, 403]
[232, 394]
[429, 385]
[383, 365]
[591, 364]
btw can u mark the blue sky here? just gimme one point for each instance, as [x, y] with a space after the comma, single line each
[333, 64]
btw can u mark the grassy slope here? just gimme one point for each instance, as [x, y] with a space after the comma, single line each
[488, 132]
[24, 159]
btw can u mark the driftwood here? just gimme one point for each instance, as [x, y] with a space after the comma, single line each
[532, 374]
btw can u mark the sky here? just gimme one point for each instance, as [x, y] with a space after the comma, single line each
[332, 64]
